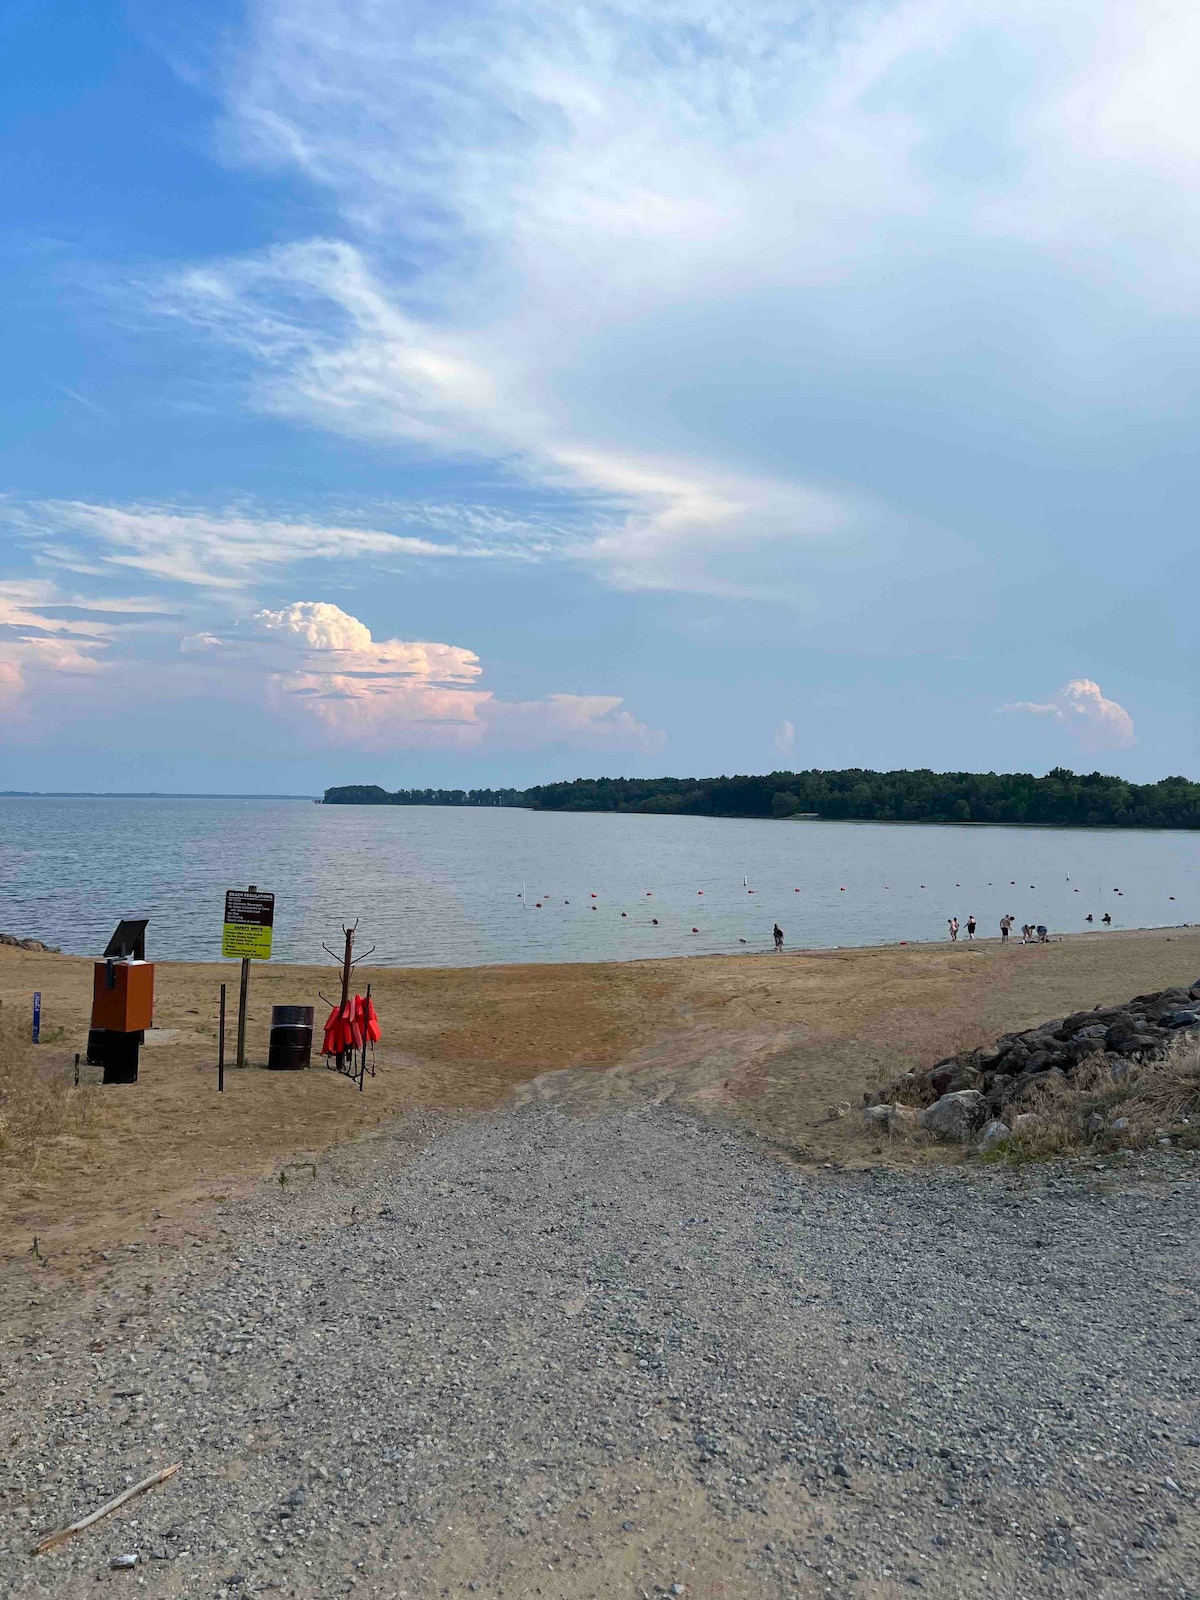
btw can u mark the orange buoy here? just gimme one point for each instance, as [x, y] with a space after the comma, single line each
[695, 930]
[699, 891]
[537, 905]
[593, 896]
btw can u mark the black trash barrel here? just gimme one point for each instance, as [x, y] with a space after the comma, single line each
[291, 1038]
[117, 1053]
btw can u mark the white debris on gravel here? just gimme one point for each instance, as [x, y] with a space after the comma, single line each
[984, 1373]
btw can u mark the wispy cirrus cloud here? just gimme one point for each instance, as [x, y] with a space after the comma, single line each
[49, 637]
[357, 365]
[232, 551]
[541, 207]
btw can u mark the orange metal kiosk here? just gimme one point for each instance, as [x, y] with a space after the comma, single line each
[122, 1003]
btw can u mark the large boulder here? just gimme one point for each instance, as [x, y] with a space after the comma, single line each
[955, 1116]
[1131, 1039]
[1081, 1046]
[1031, 1083]
[889, 1118]
[994, 1133]
[950, 1075]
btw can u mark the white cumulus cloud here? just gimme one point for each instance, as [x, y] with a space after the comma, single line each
[1086, 711]
[323, 667]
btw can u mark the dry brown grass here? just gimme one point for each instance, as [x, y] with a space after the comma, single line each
[40, 1109]
[1159, 1099]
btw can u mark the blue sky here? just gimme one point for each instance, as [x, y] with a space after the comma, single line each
[500, 392]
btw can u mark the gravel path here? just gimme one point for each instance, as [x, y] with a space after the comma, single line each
[626, 1355]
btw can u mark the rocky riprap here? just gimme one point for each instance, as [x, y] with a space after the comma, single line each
[29, 944]
[988, 1088]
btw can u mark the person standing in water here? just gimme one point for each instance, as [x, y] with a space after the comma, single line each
[970, 927]
[1006, 923]
[952, 924]
[778, 939]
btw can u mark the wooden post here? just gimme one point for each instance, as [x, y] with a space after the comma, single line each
[221, 1047]
[242, 994]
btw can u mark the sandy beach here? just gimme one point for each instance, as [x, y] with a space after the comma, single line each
[777, 1044]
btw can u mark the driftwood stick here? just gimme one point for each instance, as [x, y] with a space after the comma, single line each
[52, 1539]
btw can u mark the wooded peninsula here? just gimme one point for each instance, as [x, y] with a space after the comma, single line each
[1061, 799]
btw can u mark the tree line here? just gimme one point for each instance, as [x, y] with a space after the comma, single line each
[1062, 798]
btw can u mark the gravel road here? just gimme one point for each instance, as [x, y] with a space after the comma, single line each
[627, 1355]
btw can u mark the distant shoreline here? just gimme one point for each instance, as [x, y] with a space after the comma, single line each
[717, 816]
[136, 794]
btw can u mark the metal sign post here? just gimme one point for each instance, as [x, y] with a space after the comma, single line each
[221, 1047]
[37, 1016]
[249, 922]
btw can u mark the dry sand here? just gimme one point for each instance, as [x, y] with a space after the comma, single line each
[780, 1043]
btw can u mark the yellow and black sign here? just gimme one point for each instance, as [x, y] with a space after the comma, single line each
[249, 921]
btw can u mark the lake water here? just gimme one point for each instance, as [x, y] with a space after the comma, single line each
[435, 886]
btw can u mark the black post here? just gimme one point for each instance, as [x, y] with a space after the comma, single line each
[344, 1008]
[221, 1047]
[363, 1069]
[242, 993]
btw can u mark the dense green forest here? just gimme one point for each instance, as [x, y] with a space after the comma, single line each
[1062, 798]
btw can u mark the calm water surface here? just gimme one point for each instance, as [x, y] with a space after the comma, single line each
[434, 886]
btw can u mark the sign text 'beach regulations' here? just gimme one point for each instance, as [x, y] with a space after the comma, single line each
[249, 919]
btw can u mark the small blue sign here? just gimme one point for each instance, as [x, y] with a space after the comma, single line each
[37, 1016]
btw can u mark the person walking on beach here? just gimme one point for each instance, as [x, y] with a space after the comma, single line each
[778, 939]
[970, 927]
[1006, 923]
[952, 923]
